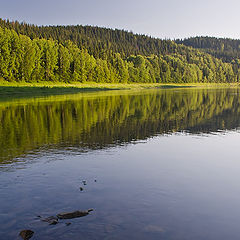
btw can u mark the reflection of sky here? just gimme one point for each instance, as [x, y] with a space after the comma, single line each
[170, 19]
[185, 185]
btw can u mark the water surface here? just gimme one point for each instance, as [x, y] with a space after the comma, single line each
[159, 164]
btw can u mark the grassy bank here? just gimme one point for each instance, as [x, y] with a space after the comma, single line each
[15, 89]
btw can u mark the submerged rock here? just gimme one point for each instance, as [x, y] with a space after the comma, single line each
[52, 220]
[75, 214]
[26, 234]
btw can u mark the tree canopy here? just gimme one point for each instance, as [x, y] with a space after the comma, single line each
[92, 54]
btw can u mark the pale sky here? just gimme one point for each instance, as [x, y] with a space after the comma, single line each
[158, 18]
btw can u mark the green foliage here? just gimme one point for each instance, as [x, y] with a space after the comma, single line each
[92, 54]
[225, 49]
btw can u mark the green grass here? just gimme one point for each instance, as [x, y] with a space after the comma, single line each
[15, 89]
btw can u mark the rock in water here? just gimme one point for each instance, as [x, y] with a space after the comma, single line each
[75, 214]
[26, 234]
[51, 220]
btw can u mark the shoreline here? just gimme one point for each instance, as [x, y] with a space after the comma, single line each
[15, 89]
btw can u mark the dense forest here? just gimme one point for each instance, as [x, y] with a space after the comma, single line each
[224, 48]
[91, 54]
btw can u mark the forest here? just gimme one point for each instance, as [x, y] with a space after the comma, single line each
[223, 48]
[30, 53]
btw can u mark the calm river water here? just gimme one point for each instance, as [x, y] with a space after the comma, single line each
[158, 164]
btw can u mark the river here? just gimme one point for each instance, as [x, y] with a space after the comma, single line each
[152, 164]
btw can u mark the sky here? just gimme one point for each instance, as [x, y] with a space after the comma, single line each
[157, 18]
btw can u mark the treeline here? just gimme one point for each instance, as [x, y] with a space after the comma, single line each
[100, 42]
[23, 59]
[223, 48]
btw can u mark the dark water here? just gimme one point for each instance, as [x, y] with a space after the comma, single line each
[159, 164]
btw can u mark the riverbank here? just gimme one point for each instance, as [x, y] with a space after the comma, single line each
[15, 89]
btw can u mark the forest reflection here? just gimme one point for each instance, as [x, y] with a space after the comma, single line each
[100, 120]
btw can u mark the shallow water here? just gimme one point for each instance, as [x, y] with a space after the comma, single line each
[158, 164]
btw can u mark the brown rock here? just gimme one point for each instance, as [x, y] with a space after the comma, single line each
[26, 234]
[75, 214]
[52, 220]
